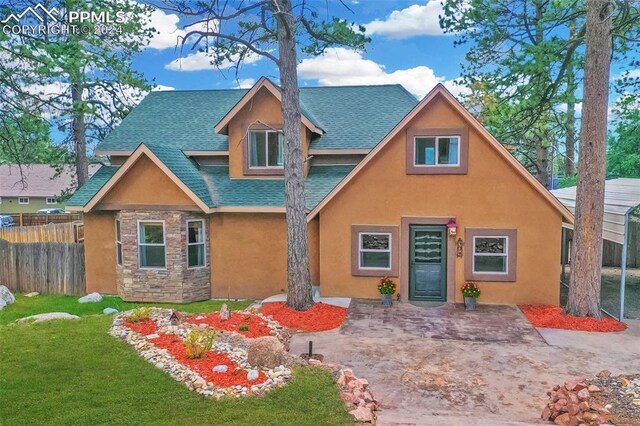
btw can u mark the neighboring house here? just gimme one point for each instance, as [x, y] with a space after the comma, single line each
[36, 187]
[193, 206]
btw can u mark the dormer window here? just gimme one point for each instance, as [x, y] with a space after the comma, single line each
[266, 149]
[437, 151]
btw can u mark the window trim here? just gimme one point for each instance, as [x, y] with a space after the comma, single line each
[23, 198]
[511, 242]
[247, 169]
[164, 243]
[356, 244]
[438, 169]
[437, 154]
[119, 260]
[203, 243]
[51, 198]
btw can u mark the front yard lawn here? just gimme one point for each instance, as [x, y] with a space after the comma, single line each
[26, 306]
[73, 372]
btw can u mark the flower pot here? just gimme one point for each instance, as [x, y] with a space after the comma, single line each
[470, 303]
[387, 299]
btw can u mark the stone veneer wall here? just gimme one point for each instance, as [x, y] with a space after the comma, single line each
[176, 282]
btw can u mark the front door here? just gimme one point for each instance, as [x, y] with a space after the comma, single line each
[428, 263]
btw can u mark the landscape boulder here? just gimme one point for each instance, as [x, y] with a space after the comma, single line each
[32, 294]
[2, 304]
[5, 294]
[109, 311]
[47, 317]
[266, 352]
[90, 298]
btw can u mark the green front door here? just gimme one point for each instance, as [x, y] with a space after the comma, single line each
[428, 263]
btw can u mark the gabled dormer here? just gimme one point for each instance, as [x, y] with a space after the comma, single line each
[254, 129]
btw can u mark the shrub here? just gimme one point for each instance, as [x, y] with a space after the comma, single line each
[470, 289]
[243, 327]
[199, 342]
[139, 314]
[386, 286]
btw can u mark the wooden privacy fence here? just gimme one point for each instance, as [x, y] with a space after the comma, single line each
[35, 219]
[55, 232]
[54, 268]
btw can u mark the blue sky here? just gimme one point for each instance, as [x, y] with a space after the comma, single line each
[407, 47]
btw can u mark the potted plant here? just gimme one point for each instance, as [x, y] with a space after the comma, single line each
[387, 289]
[471, 292]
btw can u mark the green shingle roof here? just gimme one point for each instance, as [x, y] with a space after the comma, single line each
[215, 188]
[168, 123]
[181, 119]
[353, 117]
[227, 192]
[82, 196]
[356, 117]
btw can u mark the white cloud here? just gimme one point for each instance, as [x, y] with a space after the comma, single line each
[162, 88]
[563, 107]
[245, 83]
[415, 20]
[168, 34]
[340, 67]
[202, 61]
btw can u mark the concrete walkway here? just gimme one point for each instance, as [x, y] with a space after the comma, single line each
[434, 366]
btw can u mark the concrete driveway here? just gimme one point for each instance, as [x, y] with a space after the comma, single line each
[445, 366]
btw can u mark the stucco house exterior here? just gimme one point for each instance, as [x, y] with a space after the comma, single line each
[192, 206]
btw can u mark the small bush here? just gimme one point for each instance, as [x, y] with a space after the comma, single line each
[139, 314]
[243, 327]
[199, 342]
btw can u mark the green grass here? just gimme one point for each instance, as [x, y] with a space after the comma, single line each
[26, 306]
[74, 373]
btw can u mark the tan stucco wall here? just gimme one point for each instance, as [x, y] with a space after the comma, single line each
[264, 107]
[100, 252]
[249, 254]
[491, 195]
[145, 183]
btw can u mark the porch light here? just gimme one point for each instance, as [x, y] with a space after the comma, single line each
[452, 226]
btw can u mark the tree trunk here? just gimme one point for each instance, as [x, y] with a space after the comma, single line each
[299, 292]
[586, 258]
[570, 140]
[79, 135]
[542, 160]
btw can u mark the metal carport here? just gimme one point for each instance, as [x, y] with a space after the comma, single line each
[621, 199]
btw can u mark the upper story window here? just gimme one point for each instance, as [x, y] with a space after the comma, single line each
[437, 151]
[266, 149]
[51, 200]
[23, 200]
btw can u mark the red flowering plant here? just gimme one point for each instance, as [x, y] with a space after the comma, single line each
[386, 286]
[470, 289]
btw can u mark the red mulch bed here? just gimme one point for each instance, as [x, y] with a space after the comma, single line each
[321, 317]
[204, 366]
[145, 327]
[257, 327]
[545, 316]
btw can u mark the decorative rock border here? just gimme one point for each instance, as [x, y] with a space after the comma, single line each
[230, 343]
